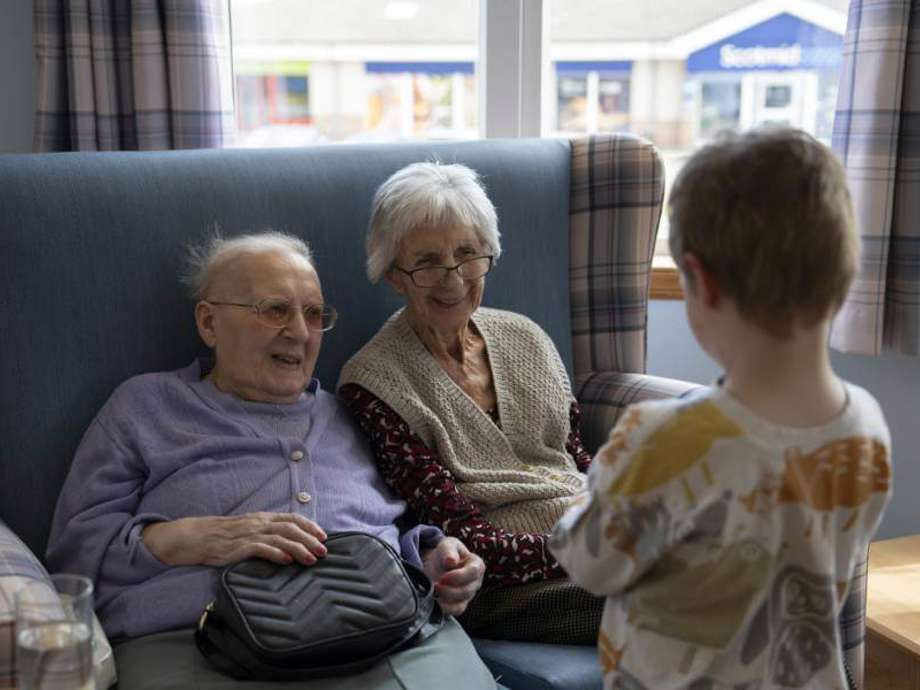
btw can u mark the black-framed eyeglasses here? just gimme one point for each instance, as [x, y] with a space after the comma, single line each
[277, 312]
[432, 276]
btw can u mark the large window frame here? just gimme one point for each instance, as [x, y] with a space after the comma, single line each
[517, 86]
[515, 100]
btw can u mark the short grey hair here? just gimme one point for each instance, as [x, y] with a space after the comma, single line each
[433, 194]
[207, 261]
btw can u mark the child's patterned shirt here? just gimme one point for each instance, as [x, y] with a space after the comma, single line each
[725, 544]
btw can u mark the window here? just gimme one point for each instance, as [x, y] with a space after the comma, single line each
[676, 72]
[421, 101]
[778, 96]
[720, 107]
[572, 103]
[314, 71]
[591, 96]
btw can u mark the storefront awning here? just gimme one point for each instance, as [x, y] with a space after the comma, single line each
[288, 68]
[420, 67]
[584, 66]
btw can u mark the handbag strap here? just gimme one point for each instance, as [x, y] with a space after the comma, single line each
[435, 616]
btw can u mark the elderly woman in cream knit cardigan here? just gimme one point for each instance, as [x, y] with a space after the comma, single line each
[469, 410]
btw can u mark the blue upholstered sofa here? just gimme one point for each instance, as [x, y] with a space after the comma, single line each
[91, 245]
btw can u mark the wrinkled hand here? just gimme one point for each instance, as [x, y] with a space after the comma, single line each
[456, 573]
[217, 541]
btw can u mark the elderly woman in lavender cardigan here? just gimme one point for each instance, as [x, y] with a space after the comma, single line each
[246, 456]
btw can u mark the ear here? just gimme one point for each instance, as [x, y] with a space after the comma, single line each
[395, 281]
[204, 319]
[699, 280]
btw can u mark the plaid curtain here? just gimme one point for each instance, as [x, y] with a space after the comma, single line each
[132, 75]
[877, 135]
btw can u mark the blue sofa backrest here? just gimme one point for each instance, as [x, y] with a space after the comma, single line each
[91, 246]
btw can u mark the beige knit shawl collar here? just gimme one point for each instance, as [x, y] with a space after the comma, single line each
[403, 330]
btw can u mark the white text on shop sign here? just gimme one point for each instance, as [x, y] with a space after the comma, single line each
[731, 56]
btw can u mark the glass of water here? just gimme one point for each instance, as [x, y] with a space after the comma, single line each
[54, 630]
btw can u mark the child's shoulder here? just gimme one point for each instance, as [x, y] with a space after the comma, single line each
[664, 438]
[678, 419]
[863, 409]
[708, 414]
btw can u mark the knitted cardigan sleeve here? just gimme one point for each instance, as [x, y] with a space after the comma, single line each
[415, 472]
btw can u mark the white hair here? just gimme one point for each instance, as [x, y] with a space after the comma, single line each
[206, 262]
[427, 194]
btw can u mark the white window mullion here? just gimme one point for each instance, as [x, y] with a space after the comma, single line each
[457, 103]
[512, 51]
[535, 57]
[406, 106]
[592, 95]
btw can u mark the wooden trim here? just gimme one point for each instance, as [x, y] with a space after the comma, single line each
[889, 666]
[665, 281]
[891, 604]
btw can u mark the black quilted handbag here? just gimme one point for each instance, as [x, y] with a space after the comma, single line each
[352, 608]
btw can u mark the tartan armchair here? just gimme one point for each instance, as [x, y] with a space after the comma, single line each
[616, 195]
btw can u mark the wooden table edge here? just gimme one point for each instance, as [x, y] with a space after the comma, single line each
[893, 637]
[888, 552]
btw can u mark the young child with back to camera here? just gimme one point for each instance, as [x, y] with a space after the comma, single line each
[724, 528]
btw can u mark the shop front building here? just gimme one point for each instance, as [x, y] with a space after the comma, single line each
[672, 81]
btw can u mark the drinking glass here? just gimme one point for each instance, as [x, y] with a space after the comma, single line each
[54, 630]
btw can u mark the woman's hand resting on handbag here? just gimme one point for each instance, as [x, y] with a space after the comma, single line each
[217, 541]
[456, 573]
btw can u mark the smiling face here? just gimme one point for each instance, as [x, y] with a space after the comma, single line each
[447, 307]
[253, 361]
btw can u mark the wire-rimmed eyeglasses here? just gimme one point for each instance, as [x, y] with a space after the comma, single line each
[277, 312]
[432, 276]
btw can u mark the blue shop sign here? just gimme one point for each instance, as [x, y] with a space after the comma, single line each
[582, 67]
[783, 42]
[419, 67]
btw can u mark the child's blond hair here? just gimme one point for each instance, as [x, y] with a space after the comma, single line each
[769, 215]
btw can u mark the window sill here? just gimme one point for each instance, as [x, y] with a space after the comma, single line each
[665, 279]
